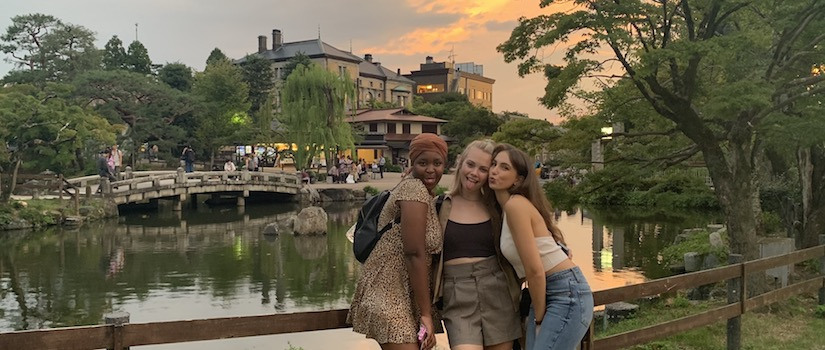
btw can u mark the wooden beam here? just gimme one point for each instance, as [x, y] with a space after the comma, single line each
[663, 285]
[70, 338]
[773, 296]
[662, 330]
[785, 259]
[232, 327]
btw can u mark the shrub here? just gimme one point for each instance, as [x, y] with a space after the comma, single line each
[371, 190]
[820, 311]
[392, 168]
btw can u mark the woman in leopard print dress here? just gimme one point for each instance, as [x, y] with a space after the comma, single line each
[392, 298]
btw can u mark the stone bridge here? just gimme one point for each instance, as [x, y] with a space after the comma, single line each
[142, 186]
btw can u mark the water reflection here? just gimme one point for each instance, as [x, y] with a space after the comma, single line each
[215, 262]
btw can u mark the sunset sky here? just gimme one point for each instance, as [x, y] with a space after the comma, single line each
[399, 34]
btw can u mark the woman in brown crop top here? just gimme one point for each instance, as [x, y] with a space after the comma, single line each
[480, 290]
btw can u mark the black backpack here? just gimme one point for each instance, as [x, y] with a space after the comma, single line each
[367, 233]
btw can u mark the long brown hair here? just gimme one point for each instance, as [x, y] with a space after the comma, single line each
[529, 187]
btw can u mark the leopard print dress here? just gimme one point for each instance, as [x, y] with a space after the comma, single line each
[383, 307]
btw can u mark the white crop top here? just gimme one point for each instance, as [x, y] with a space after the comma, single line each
[549, 251]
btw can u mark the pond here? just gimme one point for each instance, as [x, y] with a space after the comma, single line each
[215, 262]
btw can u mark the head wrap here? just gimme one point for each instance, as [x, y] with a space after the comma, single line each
[427, 142]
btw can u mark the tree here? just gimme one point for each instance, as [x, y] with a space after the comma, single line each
[148, 108]
[215, 56]
[314, 112]
[177, 75]
[114, 55]
[686, 60]
[224, 101]
[299, 59]
[137, 58]
[257, 73]
[46, 49]
[42, 130]
[532, 135]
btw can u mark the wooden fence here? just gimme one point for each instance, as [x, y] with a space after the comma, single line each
[119, 334]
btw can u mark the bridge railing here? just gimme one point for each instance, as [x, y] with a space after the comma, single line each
[154, 179]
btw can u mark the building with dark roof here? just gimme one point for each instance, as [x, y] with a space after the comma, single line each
[434, 79]
[388, 132]
[373, 81]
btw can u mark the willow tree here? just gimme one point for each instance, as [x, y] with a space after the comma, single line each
[718, 69]
[315, 103]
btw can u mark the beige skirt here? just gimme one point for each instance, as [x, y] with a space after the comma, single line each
[477, 306]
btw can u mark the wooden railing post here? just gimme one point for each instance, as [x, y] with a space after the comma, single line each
[117, 320]
[735, 296]
[822, 272]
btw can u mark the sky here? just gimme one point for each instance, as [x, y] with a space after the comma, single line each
[398, 33]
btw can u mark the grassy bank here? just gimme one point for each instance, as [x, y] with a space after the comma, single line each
[34, 213]
[796, 323]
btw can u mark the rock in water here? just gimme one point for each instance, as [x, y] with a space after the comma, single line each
[311, 220]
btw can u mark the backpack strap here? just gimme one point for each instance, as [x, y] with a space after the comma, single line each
[443, 215]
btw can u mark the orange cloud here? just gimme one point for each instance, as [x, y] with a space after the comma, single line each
[474, 16]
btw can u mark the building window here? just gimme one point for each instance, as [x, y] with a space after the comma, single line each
[373, 127]
[430, 88]
[370, 84]
[390, 128]
[479, 95]
[430, 128]
[405, 128]
[342, 71]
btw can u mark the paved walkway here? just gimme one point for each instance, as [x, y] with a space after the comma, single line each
[388, 182]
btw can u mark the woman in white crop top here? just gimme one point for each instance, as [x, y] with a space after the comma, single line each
[562, 303]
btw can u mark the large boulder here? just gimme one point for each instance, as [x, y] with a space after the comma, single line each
[311, 220]
[621, 310]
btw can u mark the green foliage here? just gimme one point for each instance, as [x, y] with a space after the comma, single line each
[177, 75]
[371, 190]
[114, 55]
[392, 168]
[820, 311]
[223, 96]
[562, 194]
[215, 56]
[467, 122]
[45, 130]
[531, 135]
[300, 59]
[44, 48]
[257, 73]
[150, 109]
[625, 185]
[137, 58]
[314, 109]
[696, 242]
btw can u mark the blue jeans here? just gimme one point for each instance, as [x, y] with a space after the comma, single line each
[569, 312]
[189, 167]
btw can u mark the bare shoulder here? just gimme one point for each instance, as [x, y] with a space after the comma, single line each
[517, 204]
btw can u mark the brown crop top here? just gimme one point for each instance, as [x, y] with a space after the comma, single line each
[468, 240]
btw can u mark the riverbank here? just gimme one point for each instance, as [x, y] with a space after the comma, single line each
[22, 214]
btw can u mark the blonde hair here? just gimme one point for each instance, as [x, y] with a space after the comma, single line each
[486, 146]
